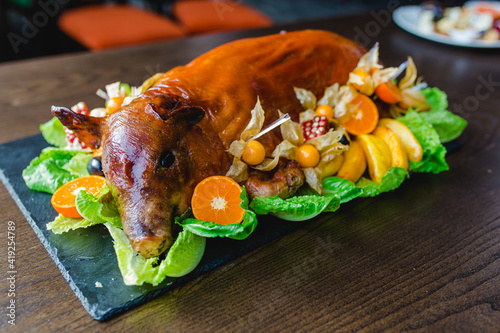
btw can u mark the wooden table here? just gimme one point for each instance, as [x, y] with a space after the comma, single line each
[426, 256]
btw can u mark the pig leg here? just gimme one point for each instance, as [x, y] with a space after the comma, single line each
[282, 183]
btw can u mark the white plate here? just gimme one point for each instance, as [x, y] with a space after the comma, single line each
[406, 17]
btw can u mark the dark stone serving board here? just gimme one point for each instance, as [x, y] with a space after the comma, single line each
[86, 256]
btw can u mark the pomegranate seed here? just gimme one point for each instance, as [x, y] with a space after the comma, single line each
[81, 108]
[315, 127]
[71, 138]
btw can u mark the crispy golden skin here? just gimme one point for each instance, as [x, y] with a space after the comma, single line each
[194, 113]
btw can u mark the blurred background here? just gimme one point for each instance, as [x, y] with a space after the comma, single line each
[34, 28]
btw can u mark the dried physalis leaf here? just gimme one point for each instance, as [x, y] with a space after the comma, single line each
[361, 77]
[396, 111]
[306, 98]
[313, 178]
[256, 122]
[269, 163]
[370, 59]
[408, 81]
[329, 145]
[292, 132]
[286, 149]
[332, 152]
[307, 115]
[347, 94]
[384, 75]
[413, 98]
[363, 84]
[327, 140]
[330, 96]
[237, 147]
[238, 170]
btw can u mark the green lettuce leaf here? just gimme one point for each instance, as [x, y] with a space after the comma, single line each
[53, 132]
[210, 229]
[184, 255]
[391, 181]
[434, 153]
[343, 188]
[77, 165]
[93, 210]
[47, 172]
[64, 224]
[297, 208]
[436, 98]
[448, 126]
[98, 209]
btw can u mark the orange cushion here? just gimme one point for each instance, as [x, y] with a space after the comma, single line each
[106, 26]
[202, 16]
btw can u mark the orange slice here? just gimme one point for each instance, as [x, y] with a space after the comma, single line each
[389, 93]
[217, 199]
[364, 117]
[63, 200]
[114, 104]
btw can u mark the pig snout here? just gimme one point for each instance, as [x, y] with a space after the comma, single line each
[149, 226]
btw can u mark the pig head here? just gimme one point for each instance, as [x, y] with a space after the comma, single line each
[153, 155]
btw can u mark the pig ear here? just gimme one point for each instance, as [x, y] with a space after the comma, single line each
[175, 109]
[192, 114]
[88, 129]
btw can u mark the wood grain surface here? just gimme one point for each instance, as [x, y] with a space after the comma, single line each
[425, 257]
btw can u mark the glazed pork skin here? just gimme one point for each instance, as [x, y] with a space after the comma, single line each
[158, 147]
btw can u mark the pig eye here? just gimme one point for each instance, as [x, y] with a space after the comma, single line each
[167, 159]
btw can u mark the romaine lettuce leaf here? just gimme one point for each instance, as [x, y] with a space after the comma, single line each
[135, 269]
[235, 230]
[64, 224]
[343, 188]
[297, 208]
[53, 132]
[436, 98]
[391, 181]
[93, 210]
[448, 126]
[98, 209]
[433, 159]
[77, 165]
[47, 172]
[184, 255]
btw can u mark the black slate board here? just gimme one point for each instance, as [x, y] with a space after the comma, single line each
[86, 256]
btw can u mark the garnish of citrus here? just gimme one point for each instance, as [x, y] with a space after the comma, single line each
[364, 117]
[63, 200]
[389, 93]
[217, 199]
[114, 104]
